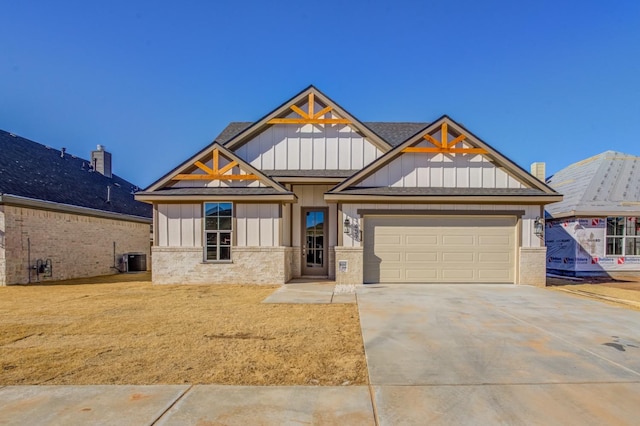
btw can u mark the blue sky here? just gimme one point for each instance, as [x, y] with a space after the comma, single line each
[155, 81]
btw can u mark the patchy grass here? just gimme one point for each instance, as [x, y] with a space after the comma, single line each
[123, 330]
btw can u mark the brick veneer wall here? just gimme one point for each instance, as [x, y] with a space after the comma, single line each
[249, 265]
[78, 245]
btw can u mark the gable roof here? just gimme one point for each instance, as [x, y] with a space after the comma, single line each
[391, 132]
[159, 189]
[32, 171]
[539, 188]
[607, 184]
[301, 98]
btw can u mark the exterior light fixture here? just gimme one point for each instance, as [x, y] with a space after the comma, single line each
[538, 227]
[347, 226]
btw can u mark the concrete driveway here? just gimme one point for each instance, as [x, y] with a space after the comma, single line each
[499, 354]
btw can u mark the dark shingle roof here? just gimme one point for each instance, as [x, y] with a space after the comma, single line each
[393, 132]
[230, 190]
[29, 169]
[605, 183]
[442, 191]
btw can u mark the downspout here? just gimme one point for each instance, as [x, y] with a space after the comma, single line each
[29, 258]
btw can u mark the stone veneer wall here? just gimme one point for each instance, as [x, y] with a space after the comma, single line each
[78, 245]
[355, 273]
[533, 266]
[249, 265]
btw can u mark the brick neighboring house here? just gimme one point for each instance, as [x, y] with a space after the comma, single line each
[62, 216]
[310, 191]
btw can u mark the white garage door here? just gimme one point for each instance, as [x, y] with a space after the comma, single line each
[455, 249]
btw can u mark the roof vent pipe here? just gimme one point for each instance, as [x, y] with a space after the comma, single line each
[108, 193]
[62, 151]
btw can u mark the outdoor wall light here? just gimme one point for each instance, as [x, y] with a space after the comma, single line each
[538, 227]
[347, 226]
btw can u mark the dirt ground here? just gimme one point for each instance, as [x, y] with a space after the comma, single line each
[623, 291]
[123, 330]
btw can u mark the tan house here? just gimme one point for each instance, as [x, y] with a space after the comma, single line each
[310, 191]
[63, 217]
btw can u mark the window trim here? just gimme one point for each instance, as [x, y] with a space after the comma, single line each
[217, 232]
[623, 237]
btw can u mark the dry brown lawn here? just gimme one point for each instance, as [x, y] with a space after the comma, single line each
[123, 330]
[621, 292]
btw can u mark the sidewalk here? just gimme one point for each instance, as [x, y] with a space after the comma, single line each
[185, 405]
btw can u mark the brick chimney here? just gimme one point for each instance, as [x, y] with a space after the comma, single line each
[539, 171]
[101, 161]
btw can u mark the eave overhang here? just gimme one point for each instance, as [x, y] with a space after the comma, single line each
[448, 199]
[156, 198]
[18, 201]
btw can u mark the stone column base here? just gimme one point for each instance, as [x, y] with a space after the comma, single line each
[533, 266]
[353, 272]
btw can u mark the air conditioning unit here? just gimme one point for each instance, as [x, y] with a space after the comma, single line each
[134, 262]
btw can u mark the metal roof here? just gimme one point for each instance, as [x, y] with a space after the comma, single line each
[606, 184]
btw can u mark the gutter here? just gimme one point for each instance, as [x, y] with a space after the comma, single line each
[16, 200]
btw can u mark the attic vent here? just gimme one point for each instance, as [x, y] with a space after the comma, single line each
[12, 135]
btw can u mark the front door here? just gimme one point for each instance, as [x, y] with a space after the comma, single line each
[314, 242]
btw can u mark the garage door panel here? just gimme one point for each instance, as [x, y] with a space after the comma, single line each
[440, 249]
[413, 240]
[458, 275]
[493, 275]
[501, 257]
[460, 240]
[458, 257]
[417, 275]
[383, 240]
[421, 257]
[493, 240]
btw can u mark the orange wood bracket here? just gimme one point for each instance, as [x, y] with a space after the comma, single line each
[215, 172]
[309, 117]
[444, 145]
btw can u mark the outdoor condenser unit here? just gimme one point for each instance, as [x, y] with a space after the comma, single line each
[134, 262]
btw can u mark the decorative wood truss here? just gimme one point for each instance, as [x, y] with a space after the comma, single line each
[215, 173]
[444, 145]
[310, 117]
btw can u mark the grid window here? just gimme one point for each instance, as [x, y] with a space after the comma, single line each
[218, 227]
[623, 236]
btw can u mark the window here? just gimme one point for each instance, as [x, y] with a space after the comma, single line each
[218, 224]
[623, 236]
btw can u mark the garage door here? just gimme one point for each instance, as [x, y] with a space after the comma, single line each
[456, 249]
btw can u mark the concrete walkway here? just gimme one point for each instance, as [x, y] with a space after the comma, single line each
[312, 292]
[437, 354]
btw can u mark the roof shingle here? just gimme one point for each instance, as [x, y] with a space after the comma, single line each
[31, 170]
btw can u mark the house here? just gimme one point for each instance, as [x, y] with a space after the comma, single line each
[595, 230]
[65, 217]
[309, 190]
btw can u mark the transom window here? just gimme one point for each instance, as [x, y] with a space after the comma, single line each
[218, 226]
[623, 236]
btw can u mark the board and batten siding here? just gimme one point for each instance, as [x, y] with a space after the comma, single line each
[180, 225]
[308, 147]
[527, 237]
[415, 170]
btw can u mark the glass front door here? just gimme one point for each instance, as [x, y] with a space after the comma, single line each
[314, 234]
